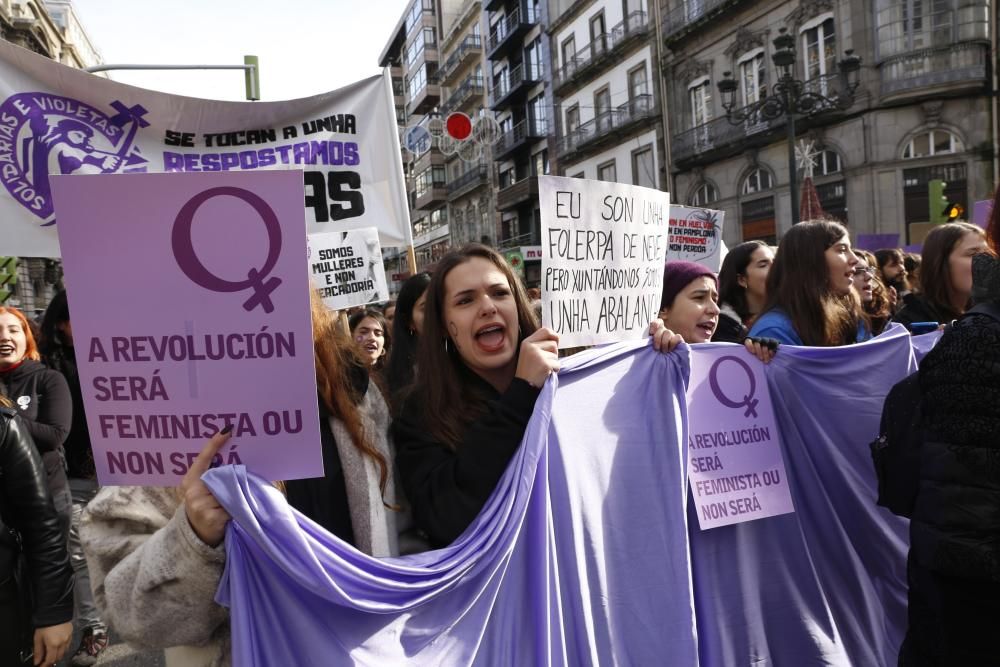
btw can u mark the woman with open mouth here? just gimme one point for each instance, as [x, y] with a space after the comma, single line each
[481, 363]
[810, 290]
[370, 332]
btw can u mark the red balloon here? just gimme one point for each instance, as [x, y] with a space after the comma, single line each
[459, 126]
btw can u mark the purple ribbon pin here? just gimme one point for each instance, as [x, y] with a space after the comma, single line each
[748, 402]
[257, 280]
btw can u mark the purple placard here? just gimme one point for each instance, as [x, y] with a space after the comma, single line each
[190, 306]
[981, 212]
[873, 242]
[915, 248]
[737, 473]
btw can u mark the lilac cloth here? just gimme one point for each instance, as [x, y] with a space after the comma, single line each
[579, 558]
[581, 555]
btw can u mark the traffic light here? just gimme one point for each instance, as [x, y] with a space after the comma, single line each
[953, 212]
[8, 277]
[938, 202]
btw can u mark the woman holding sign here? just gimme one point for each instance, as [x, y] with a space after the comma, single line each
[481, 363]
[810, 289]
[156, 554]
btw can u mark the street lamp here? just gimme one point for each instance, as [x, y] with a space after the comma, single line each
[792, 98]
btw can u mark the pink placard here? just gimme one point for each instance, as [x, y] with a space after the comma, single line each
[190, 307]
[737, 473]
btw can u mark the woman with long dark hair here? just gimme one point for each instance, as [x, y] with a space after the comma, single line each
[945, 275]
[810, 290]
[481, 363]
[370, 332]
[406, 328]
[874, 296]
[742, 289]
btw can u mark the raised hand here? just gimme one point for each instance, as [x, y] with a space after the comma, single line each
[206, 516]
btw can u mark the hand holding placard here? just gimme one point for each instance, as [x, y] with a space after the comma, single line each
[207, 518]
[539, 357]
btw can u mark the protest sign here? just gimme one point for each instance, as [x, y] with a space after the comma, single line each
[736, 470]
[190, 312]
[346, 268]
[873, 242]
[696, 236]
[981, 212]
[60, 120]
[603, 249]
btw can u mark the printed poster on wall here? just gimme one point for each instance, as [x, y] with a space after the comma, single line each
[60, 120]
[194, 318]
[346, 268]
[737, 473]
[696, 236]
[603, 250]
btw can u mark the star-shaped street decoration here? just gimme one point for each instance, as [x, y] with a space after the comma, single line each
[805, 157]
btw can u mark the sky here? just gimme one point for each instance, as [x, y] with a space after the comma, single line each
[305, 47]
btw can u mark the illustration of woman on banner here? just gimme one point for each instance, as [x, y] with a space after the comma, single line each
[63, 149]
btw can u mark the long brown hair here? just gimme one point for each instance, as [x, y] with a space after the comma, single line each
[878, 309]
[336, 355]
[448, 403]
[799, 285]
[935, 270]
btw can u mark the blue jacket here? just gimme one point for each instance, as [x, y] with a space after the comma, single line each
[776, 324]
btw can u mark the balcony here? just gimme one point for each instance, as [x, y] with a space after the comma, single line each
[601, 52]
[471, 46]
[510, 29]
[472, 89]
[719, 138]
[493, 5]
[468, 182]
[424, 99]
[609, 126]
[690, 14]
[523, 134]
[516, 242]
[423, 235]
[514, 86]
[517, 193]
[436, 194]
[958, 68]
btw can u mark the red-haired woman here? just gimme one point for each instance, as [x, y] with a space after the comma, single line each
[42, 399]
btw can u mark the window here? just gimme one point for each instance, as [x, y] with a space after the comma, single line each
[820, 49]
[607, 172]
[758, 221]
[826, 163]
[533, 60]
[638, 84]
[602, 108]
[506, 125]
[416, 82]
[694, 8]
[910, 25]
[572, 118]
[507, 178]
[916, 196]
[537, 114]
[432, 177]
[501, 82]
[753, 78]
[425, 38]
[705, 194]
[415, 12]
[644, 167]
[700, 98]
[935, 142]
[569, 56]
[757, 180]
[580, 175]
[598, 39]
[540, 163]
[833, 198]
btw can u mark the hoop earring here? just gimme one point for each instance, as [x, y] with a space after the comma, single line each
[446, 349]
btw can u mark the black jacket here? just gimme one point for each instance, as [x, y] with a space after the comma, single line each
[916, 308]
[730, 328]
[447, 488]
[79, 454]
[26, 506]
[955, 527]
[42, 399]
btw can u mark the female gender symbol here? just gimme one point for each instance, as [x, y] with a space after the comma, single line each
[192, 267]
[748, 402]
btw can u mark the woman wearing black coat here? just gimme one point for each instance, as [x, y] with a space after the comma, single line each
[28, 516]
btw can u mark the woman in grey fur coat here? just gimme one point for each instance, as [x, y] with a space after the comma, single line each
[156, 554]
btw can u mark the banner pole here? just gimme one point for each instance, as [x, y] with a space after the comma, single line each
[411, 259]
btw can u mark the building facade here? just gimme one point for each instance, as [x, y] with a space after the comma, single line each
[606, 84]
[51, 29]
[921, 112]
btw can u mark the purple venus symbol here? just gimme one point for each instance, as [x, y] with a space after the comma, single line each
[748, 402]
[257, 280]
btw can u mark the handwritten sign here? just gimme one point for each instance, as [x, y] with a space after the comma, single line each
[736, 470]
[191, 313]
[346, 268]
[696, 236]
[603, 249]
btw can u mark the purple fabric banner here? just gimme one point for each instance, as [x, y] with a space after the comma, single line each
[581, 555]
[873, 242]
[915, 248]
[981, 212]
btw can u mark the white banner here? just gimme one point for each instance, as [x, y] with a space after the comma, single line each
[346, 268]
[603, 249]
[59, 120]
[696, 236]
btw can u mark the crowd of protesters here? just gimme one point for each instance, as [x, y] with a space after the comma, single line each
[423, 404]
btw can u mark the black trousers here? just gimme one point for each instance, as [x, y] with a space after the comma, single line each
[952, 621]
[15, 626]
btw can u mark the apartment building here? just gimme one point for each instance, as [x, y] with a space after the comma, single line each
[921, 111]
[606, 83]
